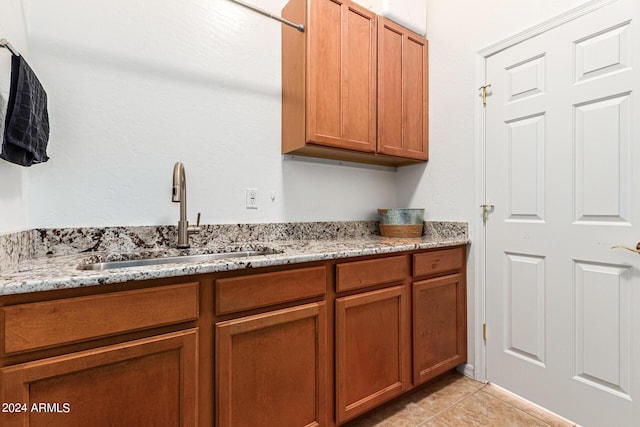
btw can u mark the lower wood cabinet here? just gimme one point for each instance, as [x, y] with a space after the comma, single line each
[311, 345]
[146, 382]
[372, 350]
[271, 368]
[439, 326]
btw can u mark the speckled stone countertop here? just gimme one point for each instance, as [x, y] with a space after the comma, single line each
[41, 260]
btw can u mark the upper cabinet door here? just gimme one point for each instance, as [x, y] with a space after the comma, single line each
[335, 104]
[403, 92]
[341, 75]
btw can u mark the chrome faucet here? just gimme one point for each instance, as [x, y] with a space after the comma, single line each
[180, 195]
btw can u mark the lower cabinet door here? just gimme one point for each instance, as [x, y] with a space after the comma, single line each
[146, 382]
[271, 369]
[439, 326]
[372, 350]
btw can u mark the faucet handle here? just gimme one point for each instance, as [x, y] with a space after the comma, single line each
[195, 228]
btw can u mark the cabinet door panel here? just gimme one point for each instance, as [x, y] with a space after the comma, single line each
[359, 77]
[341, 76]
[146, 382]
[324, 65]
[416, 89]
[271, 368]
[372, 350]
[390, 105]
[439, 326]
[403, 92]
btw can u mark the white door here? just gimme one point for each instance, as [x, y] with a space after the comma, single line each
[563, 171]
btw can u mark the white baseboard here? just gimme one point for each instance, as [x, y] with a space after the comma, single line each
[466, 370]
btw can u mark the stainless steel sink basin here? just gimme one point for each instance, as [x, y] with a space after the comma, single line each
[162, 258]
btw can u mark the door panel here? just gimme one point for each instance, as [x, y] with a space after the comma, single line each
[271, 368]
[403, 92]
[325, 77]
[372, 350]
[603, 349]
[359, 80]
[439, 326]
[562, 308]
[146, 382]
[602, 170]
[524, 308]
[525, 151]
[341, 75]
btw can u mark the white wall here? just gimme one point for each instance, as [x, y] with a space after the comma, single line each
[13, 178]
[456, 30]
[136, 85]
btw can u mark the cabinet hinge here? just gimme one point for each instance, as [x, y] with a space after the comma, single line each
[484, 331]
[484, 93]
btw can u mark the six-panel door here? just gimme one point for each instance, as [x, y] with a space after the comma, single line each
[562, 169]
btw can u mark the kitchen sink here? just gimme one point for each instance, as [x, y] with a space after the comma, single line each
[140, 259]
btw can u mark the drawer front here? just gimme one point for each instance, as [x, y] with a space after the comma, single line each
[361, 274]
[261, 290]
[438, 261]
[50, 323]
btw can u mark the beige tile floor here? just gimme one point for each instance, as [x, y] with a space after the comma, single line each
[454, 400]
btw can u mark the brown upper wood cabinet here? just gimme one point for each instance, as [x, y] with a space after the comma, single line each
[403, 92]
[331, 92]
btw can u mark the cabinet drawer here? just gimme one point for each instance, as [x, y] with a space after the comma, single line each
[261, 290]
[50, 323]
[360, 274]
[437, 261]
[146, 382]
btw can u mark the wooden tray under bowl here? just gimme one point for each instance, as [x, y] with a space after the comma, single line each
[401, 230]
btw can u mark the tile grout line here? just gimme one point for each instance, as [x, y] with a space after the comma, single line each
[534, 405]
[450, 406]
[518, 409]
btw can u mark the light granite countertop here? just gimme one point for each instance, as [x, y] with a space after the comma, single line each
[42, 272]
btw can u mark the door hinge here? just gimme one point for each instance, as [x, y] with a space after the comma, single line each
[484, 93]
[485, 211]
[484, 331]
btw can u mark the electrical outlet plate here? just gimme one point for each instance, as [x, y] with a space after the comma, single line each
[252, 198]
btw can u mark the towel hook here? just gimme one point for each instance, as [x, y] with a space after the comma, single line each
[13, 50]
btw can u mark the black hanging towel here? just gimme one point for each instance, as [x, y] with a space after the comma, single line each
[26, 126]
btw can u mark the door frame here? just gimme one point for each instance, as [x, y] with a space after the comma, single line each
[479, 369]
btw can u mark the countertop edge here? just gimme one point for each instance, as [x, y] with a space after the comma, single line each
[291, 255]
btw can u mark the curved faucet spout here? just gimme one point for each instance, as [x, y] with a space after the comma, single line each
[179, 195]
